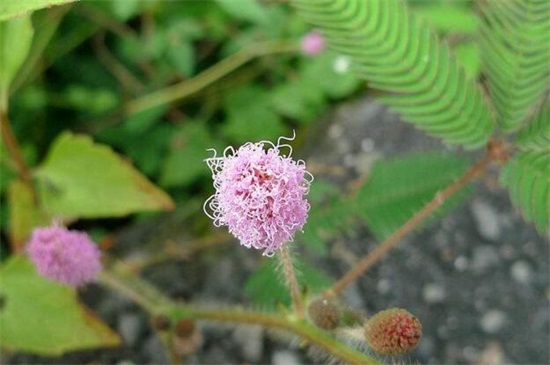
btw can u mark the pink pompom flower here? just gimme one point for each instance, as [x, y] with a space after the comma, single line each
[66, 256]
[312, 44]
[260, 194]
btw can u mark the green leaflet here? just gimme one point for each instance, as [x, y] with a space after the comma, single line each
[268, 275]
[398, 188]
[392, 49]
[395, 190]
[515, 43]
[527, 175]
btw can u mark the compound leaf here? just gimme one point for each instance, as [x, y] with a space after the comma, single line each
[397, 52]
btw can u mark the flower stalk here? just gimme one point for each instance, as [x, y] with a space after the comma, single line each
[291, 282]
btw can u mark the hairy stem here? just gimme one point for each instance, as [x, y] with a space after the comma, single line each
[121, 279]
[207, 77]
[306, 331]
[381, 250]
[291, 282]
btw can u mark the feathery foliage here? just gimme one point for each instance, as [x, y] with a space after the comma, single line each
[515, 39]
[527, 174]
[392, 49]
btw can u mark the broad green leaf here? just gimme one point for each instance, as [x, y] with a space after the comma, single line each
[13, 8]
[15, 43]
[249, 10]
[24, 213]
[398, 188]
[266, 285]
[82, 179]
[43, 317]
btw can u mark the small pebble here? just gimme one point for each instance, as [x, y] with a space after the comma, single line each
[521, 272]
[433, 293]
[461, 263]
[493, 321]
[285, 358]
[487, 220]
[484, 257]
[251, 340]
[129, 327]
[383, 286]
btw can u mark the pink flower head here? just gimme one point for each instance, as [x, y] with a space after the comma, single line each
[260, 194]
[312, 44]
[68, 257]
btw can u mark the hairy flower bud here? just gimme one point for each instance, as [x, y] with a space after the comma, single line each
[68, 257]
[323, 314]
[260, 194]
[393, 331]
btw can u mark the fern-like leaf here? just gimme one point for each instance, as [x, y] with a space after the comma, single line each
[515, 41]
[396, 52]
[527, 175]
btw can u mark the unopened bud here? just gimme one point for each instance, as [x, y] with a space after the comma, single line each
[324, 314]
[161, 323]
[185, 328]
[393, 331]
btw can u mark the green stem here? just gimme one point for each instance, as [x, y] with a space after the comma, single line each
[306, 331]
[207, 77]
[120, 278]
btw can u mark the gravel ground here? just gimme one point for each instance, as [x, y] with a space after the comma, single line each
[478, 278]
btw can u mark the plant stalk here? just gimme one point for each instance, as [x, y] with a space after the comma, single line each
[15, 151]
[291, 282]
[207, 77]
[381, 250]
[121, 279]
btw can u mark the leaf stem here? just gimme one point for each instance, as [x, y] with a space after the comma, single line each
[290, 281]
[14, 149]
[207, 77]
[381, 250]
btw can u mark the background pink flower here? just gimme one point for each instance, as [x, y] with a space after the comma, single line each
[260, 195]
[68, 257]
[312, 43]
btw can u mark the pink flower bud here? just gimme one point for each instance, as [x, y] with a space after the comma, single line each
[312, 44]
[393, 331]
[260, 194]
[68, 257]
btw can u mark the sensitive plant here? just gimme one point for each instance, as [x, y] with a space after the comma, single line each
[260, 193]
